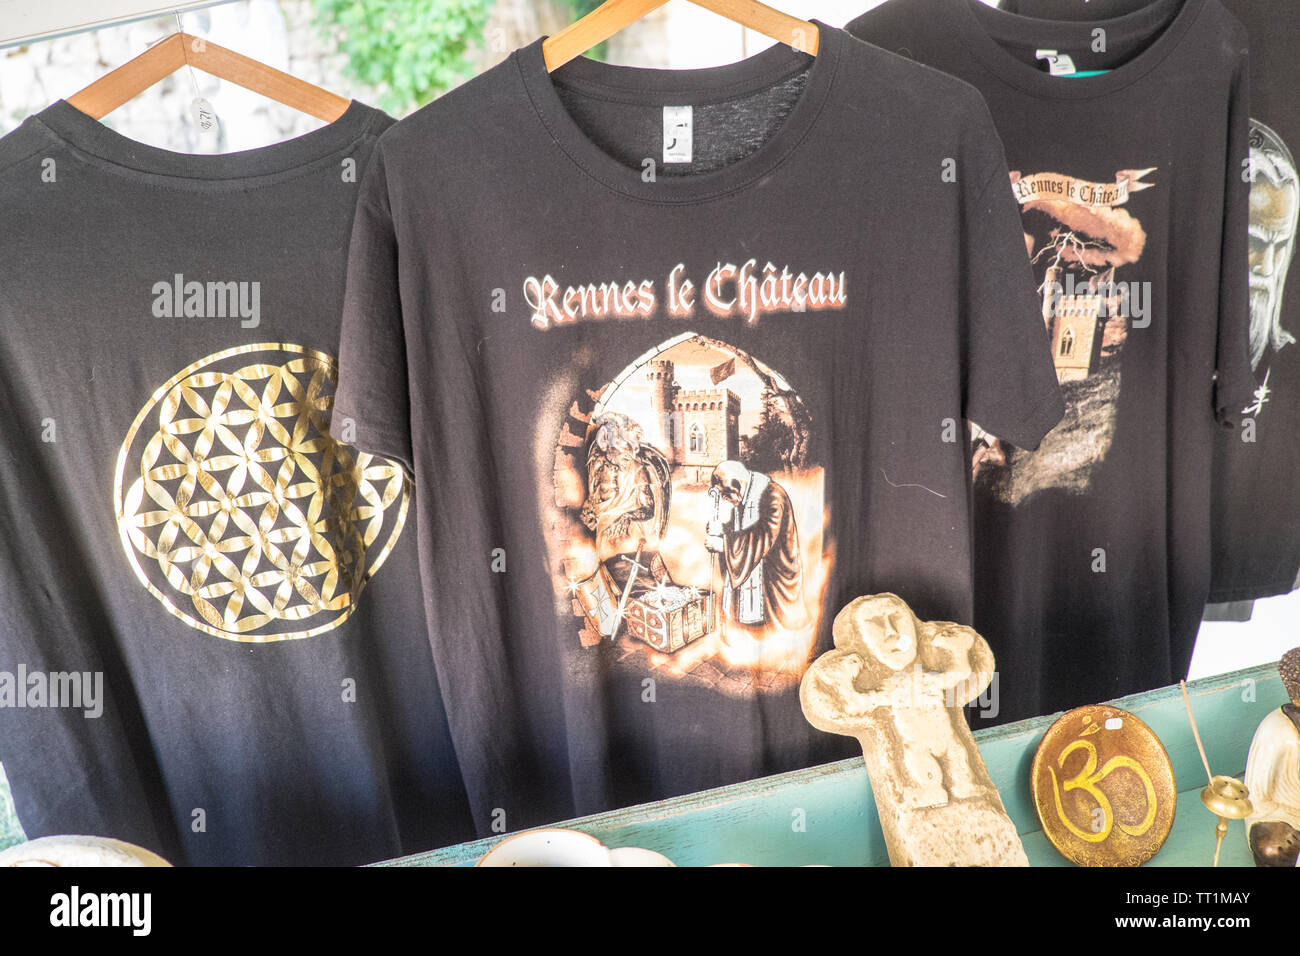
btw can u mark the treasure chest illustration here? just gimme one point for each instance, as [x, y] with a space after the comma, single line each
[668, 617]
[635, 591]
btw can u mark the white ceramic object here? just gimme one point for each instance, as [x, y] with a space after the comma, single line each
[558, 847]
[79, 851]
[637, 856]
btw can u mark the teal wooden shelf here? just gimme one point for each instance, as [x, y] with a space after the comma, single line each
[758, 822]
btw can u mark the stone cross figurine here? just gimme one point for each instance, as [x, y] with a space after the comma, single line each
[899, 685]
[1273, 776]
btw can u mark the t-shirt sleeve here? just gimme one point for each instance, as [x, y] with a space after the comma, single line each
[1010, 389]
[372, 408]
[1234, 382]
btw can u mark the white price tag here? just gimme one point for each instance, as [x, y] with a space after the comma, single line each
[204, 115]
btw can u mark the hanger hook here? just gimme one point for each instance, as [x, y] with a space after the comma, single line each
[194, 80]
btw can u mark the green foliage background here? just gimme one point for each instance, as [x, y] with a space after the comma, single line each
[413, 50]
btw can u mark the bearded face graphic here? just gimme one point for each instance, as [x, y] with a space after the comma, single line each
[1274, 209]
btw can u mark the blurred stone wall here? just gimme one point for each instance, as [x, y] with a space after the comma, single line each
[281, 33]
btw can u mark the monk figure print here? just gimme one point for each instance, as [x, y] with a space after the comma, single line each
[686, 521]
[758, 545]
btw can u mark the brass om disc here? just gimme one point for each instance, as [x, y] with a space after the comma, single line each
[1103, 787]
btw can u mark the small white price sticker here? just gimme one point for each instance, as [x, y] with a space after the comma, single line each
[204, 115]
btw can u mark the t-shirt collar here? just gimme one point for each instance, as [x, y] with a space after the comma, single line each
[656, 87]
[982, 27]
[107, 147]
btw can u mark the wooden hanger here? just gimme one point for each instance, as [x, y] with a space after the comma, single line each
[180, 49]
[613, 15]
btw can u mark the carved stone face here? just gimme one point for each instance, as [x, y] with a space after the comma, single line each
[890, 635]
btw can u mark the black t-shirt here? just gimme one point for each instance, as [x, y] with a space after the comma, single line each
[1093, 553]
[666, 418]
[1256, 516]
[175, 517]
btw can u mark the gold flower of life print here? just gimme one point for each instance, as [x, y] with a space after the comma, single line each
[237, 509]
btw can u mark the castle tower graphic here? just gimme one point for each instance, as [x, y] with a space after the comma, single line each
[1076, 325]
[660, 375]
[695, 428]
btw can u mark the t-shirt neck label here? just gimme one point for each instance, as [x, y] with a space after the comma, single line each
[679, 133]
[1058, 64]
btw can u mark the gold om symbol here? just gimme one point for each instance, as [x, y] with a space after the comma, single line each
[1087, 781]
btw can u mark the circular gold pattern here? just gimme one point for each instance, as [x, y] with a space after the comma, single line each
[1103, 787]
[256, 524]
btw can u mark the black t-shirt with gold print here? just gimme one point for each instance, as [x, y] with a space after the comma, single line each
[229, 596]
